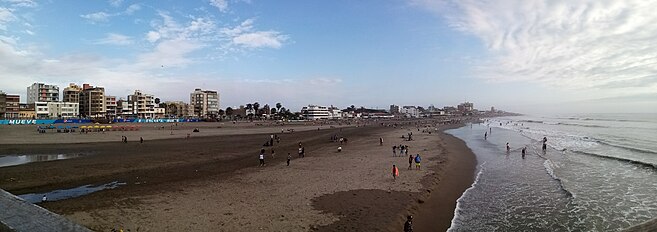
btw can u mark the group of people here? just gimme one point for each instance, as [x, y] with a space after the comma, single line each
[403, 150]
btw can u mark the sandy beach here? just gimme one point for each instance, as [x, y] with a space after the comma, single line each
[212, 182]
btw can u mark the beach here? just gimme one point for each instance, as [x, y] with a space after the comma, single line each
[212, 181]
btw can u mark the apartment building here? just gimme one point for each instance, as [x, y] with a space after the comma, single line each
[40, 92]
[110, 107]
[205, 103]
[143, 105]
[9, 105]
[92, 102]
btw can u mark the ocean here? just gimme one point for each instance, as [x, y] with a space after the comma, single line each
[598, 173]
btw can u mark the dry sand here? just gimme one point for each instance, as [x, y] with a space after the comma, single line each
[213, 183]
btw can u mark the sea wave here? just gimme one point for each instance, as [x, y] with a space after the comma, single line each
[634, 149]
[637, 162]
[456, 217]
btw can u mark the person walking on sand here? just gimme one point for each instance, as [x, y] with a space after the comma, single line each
[300, 151]
[418, 159]
[141, 139]
[408, 225]
[273, 153]
[380, 141]
[410, 162]
[262, 157]
[524, 150]
[394, 151]
[289, 157]
[395, 172]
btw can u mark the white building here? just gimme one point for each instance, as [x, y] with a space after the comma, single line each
[40, 92]
[314, 112]
[110, 106]
[410, 111]
[63, 109]
[143, 105]
[205, 103]
[41, 110]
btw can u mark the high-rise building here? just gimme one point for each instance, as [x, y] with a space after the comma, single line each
[40, 92]
[465, 107]
[72, 93]
[92, 102]
[143, 105]
[394, 109]
[124, 109]
[9, 105]
[205, 103]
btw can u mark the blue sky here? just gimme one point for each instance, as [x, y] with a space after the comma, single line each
[524, 56]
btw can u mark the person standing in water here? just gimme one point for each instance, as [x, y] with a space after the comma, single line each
[544, 143]
[524, 150]
[485, 135]
[508, 148]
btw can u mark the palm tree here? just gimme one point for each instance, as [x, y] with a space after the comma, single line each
[256, 106]
[278, 107]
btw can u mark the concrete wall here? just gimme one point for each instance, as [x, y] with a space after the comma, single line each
[19, 215]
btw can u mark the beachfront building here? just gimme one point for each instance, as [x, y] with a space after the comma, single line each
[26, 111]
[41, 110]
[205, 103]
[40, 92]
[71, 93]
[110, 107]
[160, 112]
[394, 109]
[124, 109]
[465, 107]
[92, 102]
[410, 111]
[62, 110]
[314, 112]
[9, 105]
[143, 105]
[177, 109]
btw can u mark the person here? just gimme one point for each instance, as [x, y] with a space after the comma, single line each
[289, 157]
[544, 143]
[262, 157]
[395, 172]
[300, 152]
[394, 151]
[418, 159]
[408, 225]
[406, 150]
[486, 136]
[508, 148]
[410, 162]
[273, 154]
[141, 139]
[380, 141]
[524, 150]
[44, 198]
[340, 149]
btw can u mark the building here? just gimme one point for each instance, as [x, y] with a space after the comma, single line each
[394, 109]
[205, 103]
[62, 110]
[160, 112]
[143, 105]
[177, 109]
[41, 110]
[314, 112]
[124, 109]
[9, 106]
[72, 93]
[110, 107]
[40, 92]
[465, 107]
[26, 111]
[492, 109]
[410, 111]
[92, 102]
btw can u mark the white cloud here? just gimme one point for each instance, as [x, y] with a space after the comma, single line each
[6, 16]
[222, 5]
[169, 53]
[21, 3]
[97, 17]
[29, 32]
[260, 39]
[132, 9]
[602, 47]
[115, 39]
[115, 3]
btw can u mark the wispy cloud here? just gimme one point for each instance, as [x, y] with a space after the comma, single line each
[115, 3]
[6, 16]
[222, 5]
[21, 3]
[245, 36]
[601, 46]
[103, 17]
[115, 39]
[97, 17]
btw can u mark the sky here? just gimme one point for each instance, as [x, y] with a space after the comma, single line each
[526, 56]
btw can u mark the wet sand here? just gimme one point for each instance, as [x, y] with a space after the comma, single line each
[213, 182]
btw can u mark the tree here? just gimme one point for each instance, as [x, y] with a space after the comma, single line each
[229, 111]
[278, 106]
[273, 111]
[256, 106]
[157, 101]
[249, 106]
